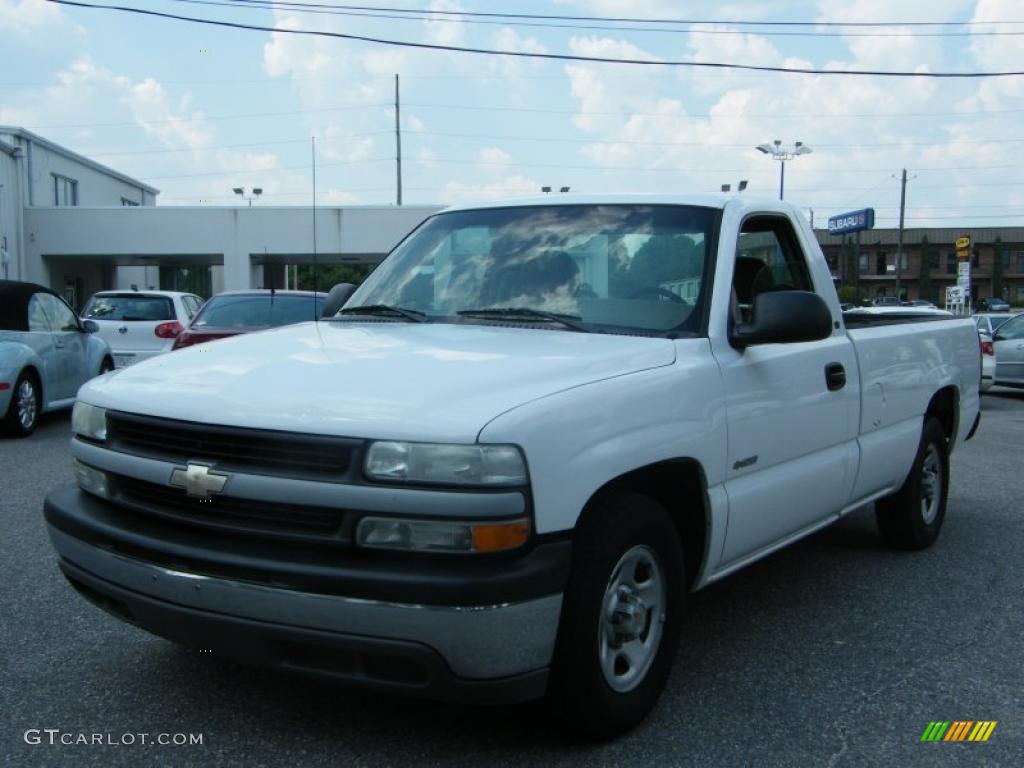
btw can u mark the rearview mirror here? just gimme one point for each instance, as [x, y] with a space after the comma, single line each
[336, 299]
[784, 317]
[90, 326]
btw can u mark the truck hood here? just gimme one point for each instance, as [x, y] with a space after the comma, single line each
[439, 382]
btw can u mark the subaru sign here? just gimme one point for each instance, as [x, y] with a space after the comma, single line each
[854, 221]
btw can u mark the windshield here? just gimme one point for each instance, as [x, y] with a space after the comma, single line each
[614, 267]
[129, 307]
[244, 311]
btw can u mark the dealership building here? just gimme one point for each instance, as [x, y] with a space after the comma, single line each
[78, 227]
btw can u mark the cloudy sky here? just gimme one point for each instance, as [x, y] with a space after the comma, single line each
[196, 110]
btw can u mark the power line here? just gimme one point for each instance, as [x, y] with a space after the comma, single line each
[544, 56]
[164, 150]
[637, 20]
[429, 16]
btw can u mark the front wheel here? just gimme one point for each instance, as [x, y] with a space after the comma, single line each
[23, 411]
[620, 618]
[912, 517]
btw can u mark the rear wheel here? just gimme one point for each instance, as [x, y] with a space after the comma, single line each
[23, 411]
[912, 517]
[620, 618]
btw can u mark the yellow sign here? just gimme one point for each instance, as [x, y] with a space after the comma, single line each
[963, 242]
[963, 255]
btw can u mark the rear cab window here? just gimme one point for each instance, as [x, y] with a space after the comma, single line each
[244, 311]
[128, 307]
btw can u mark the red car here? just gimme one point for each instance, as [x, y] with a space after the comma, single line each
[234, 312]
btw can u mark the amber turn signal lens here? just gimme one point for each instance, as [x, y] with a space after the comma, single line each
[501, 536]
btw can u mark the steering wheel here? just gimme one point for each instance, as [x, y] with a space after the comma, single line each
[657, 290]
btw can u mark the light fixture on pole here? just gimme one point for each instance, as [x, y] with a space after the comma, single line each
[256, 192]
[739, 187]
[778, 152]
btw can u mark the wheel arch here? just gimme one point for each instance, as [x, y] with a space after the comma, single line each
[680, 486]
[945, 406]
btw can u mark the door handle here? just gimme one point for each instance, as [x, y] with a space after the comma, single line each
[835, 376]
[59, 344]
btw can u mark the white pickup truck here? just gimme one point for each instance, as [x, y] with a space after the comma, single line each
[495, 474]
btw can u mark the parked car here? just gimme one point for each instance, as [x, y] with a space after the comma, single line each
[1008, 342]
[886, 301]
[988, 322]
[140, 324]
[235, 312]
[988, 361]
[920, 303]
[992, 304]
[496, 472]
[46, 354]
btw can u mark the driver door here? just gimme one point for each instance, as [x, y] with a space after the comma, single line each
[792, 432]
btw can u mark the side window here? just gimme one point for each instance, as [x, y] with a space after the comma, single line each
[768, 258]
[1012, 329]
[63, 319]
[37, 319]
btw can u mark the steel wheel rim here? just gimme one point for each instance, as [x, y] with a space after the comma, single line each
[931, 485]
[27, 406]
[632, 618]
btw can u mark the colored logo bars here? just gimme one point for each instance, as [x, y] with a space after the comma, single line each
[958, 730]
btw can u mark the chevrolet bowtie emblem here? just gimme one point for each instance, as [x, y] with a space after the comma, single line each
[198, 480]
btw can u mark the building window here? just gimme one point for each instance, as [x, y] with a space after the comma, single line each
[1020, 261]
[126, 201]
[880, 263]
[950, 263]
[863, 265]
[65, 190]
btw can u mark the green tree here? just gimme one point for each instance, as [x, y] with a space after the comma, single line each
[848, 294]
[997, 268]
[329, 275]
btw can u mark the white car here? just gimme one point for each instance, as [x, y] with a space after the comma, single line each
[988, 322]
[498, 469]
[140, 324]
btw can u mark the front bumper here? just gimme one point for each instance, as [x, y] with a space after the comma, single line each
[496, 651]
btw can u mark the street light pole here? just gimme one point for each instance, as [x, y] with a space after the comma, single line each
[899, 242]
[780, 153]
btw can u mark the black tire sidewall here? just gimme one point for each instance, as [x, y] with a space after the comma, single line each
[933, 435]
[578, 687]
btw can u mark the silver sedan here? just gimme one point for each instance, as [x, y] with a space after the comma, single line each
[1009, 348]
[46, 354]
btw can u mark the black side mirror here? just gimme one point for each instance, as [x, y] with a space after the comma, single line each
[784, 317]
[336, 299]
[90, 326]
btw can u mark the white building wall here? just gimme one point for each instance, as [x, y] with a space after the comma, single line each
[94, 187]
[229, 236]
[10, 218]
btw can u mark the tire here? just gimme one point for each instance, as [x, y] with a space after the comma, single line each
[23, 411]
[625, 540]
[912, 517]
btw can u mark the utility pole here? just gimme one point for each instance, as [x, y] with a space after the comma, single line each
[398, 145]
[899, 243]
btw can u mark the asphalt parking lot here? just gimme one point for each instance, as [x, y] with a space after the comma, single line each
[835, 652]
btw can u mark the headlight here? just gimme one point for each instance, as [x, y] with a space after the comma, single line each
[91, 480]
[89, 421]
[441, 536]
[486, 465]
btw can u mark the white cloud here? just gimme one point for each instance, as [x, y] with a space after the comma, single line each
[25, 17]
[493, 159]
[510, 186]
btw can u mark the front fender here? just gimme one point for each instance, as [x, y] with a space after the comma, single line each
[577, 440]
[15, 357]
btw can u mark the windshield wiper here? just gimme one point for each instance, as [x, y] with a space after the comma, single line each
[386, 309]
[524, 313]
